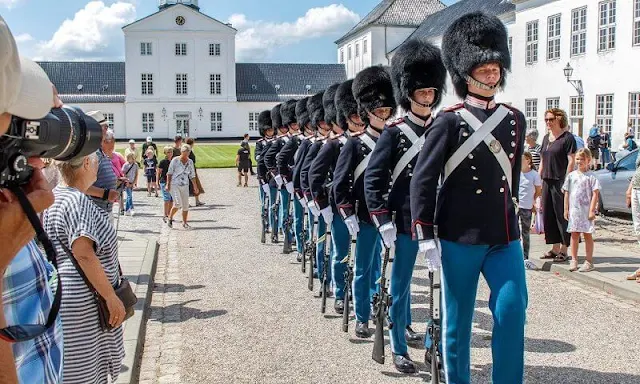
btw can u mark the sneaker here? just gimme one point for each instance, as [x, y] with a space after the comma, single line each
[199, 204]
[127, 212]
[586, 267]
[573, 266]
[132, 212]
[246, 185]
[239, 185]
[170, 223]
[164, 218]
[528, 264]
[186, 226]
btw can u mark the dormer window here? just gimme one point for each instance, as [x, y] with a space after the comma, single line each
[181, 49]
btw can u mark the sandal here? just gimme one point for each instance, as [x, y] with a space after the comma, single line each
[561, 257]
[548, 255]
[635, 275]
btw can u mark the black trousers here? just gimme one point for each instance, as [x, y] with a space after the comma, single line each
[555, 226]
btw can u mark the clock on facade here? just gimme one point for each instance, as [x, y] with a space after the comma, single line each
[180, 20]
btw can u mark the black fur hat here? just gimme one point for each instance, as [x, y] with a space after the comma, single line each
[346, 105]
[276, 118]
[264, 122]
[329, 105]
[288, 112]
[475, 38]
[315, 109]
[302, 115]
[417, 64]
[372, 89]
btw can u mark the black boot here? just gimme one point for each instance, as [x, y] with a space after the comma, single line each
[362, 330]
[411, 336]
[299, 257]
[338, 306]
[404, 364]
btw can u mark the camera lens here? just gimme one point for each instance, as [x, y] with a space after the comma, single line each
[63, 134]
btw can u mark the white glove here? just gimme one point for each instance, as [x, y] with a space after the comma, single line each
[313, 208]
[265, 188]
[289, 187]
[430, 250]
[388, 233]
[278, 180]
[327, 213]
[352, 225]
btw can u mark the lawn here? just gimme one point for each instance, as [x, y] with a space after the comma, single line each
[213, 155]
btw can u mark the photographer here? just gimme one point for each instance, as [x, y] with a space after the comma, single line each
[25, 92]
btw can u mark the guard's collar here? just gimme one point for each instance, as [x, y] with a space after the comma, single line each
[372, 131]
[481, 102]
[417, 120]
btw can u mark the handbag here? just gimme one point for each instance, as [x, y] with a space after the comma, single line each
[123, 291]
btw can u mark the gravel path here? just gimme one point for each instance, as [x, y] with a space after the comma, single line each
[227, 309]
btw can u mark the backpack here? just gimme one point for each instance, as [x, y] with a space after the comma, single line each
[593, 142]
[633, 145]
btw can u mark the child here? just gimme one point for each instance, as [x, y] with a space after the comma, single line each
[161, 176]
[581, 189]
[130, 171]
[150, 165]
[530, 189]
[243, 163]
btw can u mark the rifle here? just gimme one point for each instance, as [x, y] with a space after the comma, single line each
[325, 268]
[382, 302]
[286, 248]
[305, 246]
[312, 253]
[265, 219]
[275, 208]
[348, 279]
[432, 357]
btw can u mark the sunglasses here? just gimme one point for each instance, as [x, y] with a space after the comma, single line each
[551, 119]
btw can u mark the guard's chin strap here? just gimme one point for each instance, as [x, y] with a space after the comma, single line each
[377, 117]
[476, 83]
[420, 104]
[359, 125]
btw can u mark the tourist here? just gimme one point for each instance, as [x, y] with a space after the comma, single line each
[633, 202]
[529, 191]
[134, 150]
[150, 144]
[150, 165]
[243, 158]
[103, 192]
[130, 172]
[180, 174]
[177, 145]
[532, 146]
[192, 192]
[163, 168]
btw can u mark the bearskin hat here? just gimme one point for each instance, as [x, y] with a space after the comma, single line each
[415, 65]
[475, 38]
[372, 89]
[315, 109]
[346, 105]
[276, 118]
[329, 105]
[264, 122]
[302, 115]
[288, 112]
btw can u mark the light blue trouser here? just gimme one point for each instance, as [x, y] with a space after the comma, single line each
[366, 270]
[339, 248]
[401, 274]
[283, 210]
[298, 217]
[502, 268]
[129, 199]
[272, 200]
[321, 229]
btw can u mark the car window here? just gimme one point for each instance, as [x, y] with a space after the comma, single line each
[628, 163]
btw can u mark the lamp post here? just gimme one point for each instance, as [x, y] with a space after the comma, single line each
[164, 114]
[577, 84]
[200, 113]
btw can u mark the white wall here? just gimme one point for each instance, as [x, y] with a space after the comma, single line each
[119, 117]
[363, 60]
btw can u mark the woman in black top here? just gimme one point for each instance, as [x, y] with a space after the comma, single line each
[557, 161]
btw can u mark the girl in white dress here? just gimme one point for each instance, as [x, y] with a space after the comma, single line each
[581, 189]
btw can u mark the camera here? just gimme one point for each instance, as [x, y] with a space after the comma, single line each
[63, 134]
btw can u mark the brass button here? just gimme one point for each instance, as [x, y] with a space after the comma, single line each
[478, 191]
[473, 167]
[404, 149]
[465, 134]
[513, 122]
[513, 133]
[409, 166]
[504, 178]
[513, 144]
[511, 112]
[410, 174]
[470, 156]
[511, 155]
[475, 177]
[501, 190]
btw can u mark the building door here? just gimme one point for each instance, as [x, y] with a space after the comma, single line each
[576, 126]
[182, 123]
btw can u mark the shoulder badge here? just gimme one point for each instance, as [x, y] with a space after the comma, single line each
[453, 107]
[356, 134]
[396, 122]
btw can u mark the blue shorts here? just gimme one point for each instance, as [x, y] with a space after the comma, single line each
[166, 196]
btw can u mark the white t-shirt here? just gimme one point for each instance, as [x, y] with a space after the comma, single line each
[528, 183]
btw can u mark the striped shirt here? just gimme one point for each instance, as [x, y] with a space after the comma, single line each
[106, 180]
[90, 355]
[535, 154]
[29, 283]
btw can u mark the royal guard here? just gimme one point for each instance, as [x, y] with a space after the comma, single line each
[320, 181]
[474, 149]
[263, 144]
[370, 83]
[316, 115]
[418, 77]
[270, 161]
[295, 115]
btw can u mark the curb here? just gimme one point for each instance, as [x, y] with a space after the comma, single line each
[134, 332]
[611, 287]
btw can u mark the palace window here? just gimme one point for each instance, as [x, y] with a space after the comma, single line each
[214, 49]
[578, 31]
[636, 22]
[215, 84]
[604, 112]
[109, 117]
[145, 49]
[634, 112]
[147, 122]
[577, 107]
[181, 49]
[607, 25]
[364, 46]
[253, 121]
[181, 84]
[532, 42]
[147, 83]
[531, 112]
[216, 121]
[553, 102]
[553, 37]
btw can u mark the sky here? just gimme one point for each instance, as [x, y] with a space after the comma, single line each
[277, 31]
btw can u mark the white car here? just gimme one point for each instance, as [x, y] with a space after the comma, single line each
[614, 181]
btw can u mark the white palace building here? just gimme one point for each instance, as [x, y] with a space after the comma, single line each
[180, 74]
[597, 42]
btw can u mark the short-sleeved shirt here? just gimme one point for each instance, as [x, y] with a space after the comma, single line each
[106, 180]
[150, 166]
[535, 154]
[581, 187]
[164, 167]
[153, 145]
[181, 172]
[555, 155]
[136, 153]
[27, 296]
[244, 156]
[117, 161]
[130, 170]
[605, 140]
[528, 183]
[176, 152]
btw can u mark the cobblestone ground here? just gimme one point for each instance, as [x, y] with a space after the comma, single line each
[227, 309]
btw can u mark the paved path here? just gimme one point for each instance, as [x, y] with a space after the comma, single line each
[227, 309]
